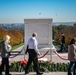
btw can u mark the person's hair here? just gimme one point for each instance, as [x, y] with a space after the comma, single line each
[34, 34]
[6, 38]
[72, 41]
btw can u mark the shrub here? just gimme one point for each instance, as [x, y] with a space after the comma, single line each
[44, 67]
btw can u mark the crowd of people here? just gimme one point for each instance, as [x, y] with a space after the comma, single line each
[32, 50]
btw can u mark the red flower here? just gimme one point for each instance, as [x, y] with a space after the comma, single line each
[24, 62]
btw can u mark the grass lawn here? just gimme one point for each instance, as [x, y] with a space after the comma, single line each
[17, 46]
[55, 44]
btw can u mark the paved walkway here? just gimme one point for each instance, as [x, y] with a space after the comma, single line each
[54, 57]
[33, 73]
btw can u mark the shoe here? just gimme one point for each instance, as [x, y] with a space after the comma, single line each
[39, 73]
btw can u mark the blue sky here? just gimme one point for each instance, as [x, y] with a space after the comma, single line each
[15, 11]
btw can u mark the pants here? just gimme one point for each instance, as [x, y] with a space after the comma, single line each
[74, 72]
[62, 47]
[32, 58]
[5, 62]
[70, 67]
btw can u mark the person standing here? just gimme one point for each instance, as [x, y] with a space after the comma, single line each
[62, 43]
[72, 56]
[5, 52]
[33, 54]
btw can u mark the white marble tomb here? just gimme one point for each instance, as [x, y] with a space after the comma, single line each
[43, 27]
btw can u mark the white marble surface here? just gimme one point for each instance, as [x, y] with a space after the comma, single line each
[43, 27]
